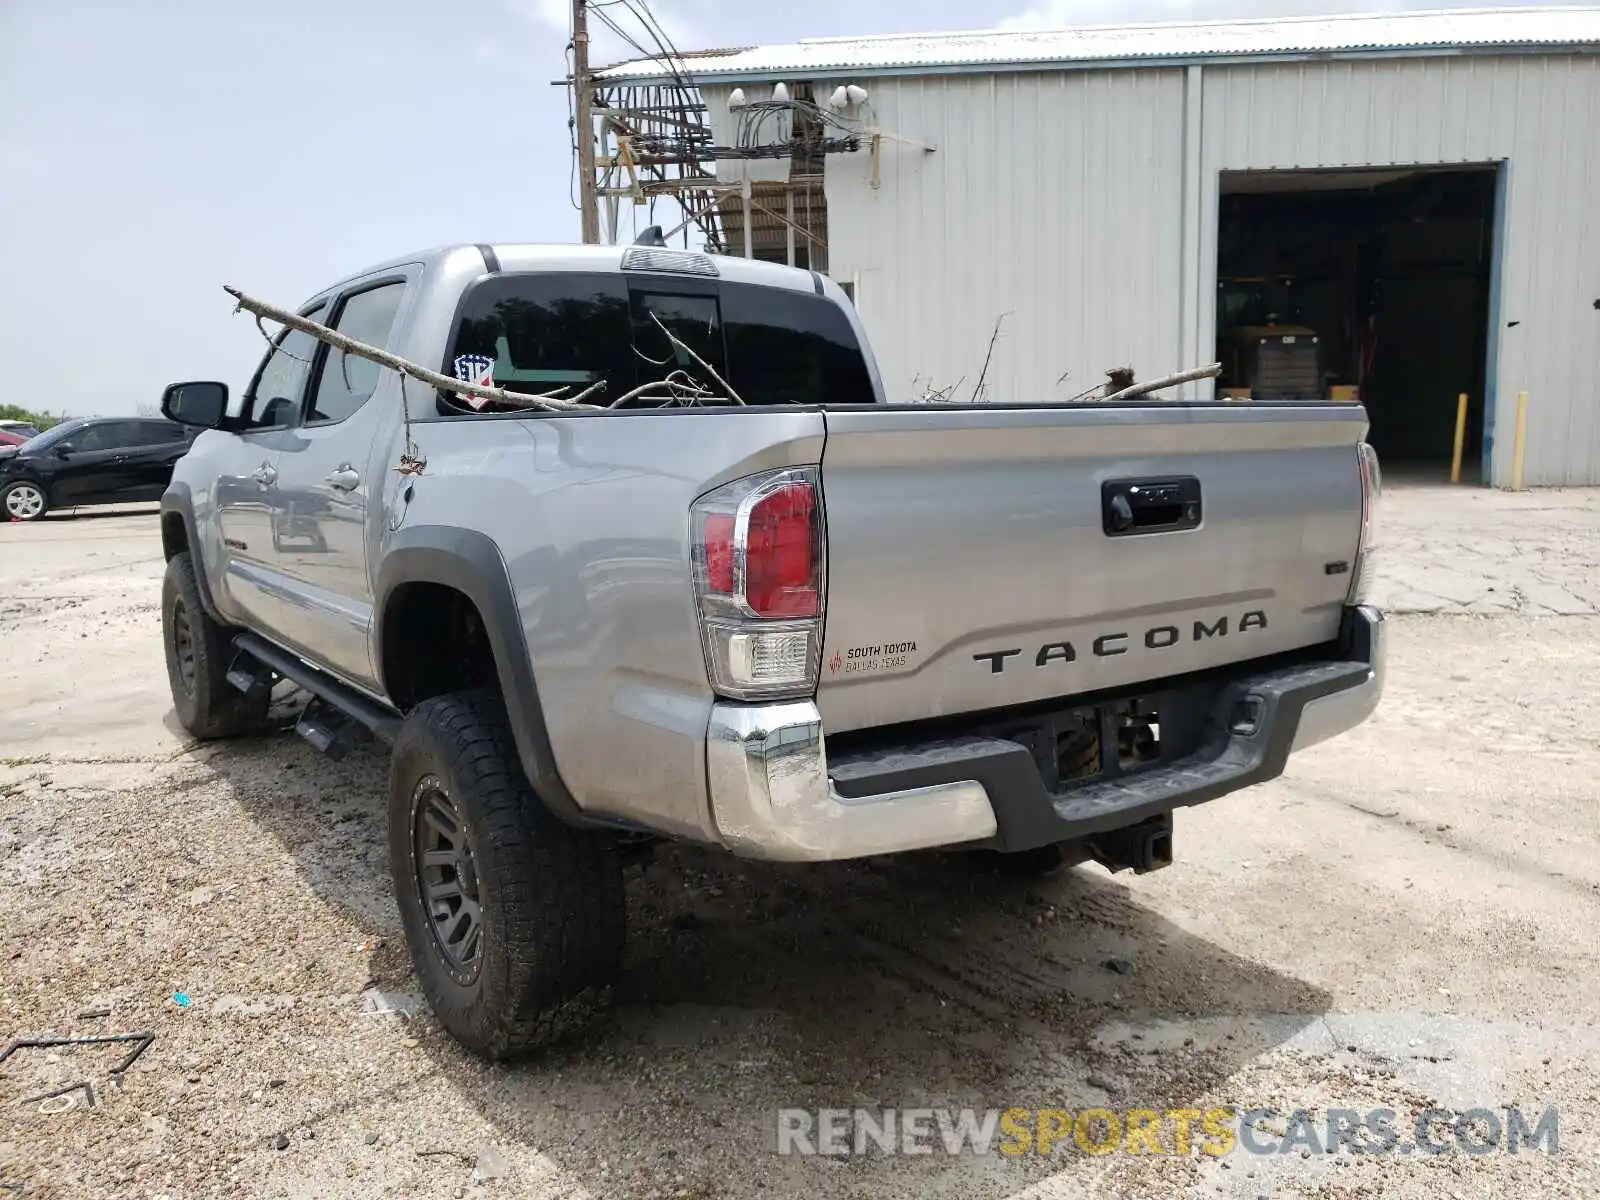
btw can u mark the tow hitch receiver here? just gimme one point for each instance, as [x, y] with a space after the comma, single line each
[1144, 847]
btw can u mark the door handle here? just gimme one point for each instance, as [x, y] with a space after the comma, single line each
[266, 475]
[1129, 507]
[345, 478]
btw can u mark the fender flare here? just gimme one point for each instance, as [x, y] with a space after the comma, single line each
[471, 563]
[178, 499]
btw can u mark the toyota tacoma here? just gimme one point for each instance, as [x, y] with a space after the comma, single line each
[761, 606]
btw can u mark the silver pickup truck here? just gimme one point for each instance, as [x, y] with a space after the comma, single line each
[805, 624]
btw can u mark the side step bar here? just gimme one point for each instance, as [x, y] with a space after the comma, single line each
[382, 722]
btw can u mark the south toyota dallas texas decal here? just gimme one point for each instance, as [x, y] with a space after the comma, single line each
[865, 660]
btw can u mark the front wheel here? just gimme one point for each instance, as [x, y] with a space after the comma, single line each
[24, 501]
[514, 920]
[198, 651]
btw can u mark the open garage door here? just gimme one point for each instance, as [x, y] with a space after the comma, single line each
[1362, 284]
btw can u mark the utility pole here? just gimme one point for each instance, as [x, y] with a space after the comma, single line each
[583, 90]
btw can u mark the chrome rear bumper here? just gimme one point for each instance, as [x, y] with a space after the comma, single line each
[772, 796]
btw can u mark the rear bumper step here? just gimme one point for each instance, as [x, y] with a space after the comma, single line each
[775, 795]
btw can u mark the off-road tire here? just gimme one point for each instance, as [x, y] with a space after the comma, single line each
[199, 650]
[551, 920]
[17, 485]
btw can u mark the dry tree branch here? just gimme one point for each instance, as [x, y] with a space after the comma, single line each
[1166, 381]
[332, 337]
[941, 396]
[726, 386]
[977, 388]
[277, 345]
[680, 385]
[1083, 395]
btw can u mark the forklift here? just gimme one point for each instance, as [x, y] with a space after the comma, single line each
[1268, 354]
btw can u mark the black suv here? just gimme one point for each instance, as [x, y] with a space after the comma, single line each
[101, 460]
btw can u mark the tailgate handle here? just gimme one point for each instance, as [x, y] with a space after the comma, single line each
[1133, 506]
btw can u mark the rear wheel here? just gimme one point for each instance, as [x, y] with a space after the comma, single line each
[515, 921]
[24, 501]
[198, 652]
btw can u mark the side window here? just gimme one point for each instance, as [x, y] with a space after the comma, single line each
[346, 382]
[94, 437]
[161, 433]
[127, 435]
[792, 347]
[274, 400]
[542, 332]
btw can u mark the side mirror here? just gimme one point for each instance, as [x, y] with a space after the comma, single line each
[63, 450]
[202, 404]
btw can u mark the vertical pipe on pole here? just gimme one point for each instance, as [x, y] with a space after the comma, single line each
[1461, 438]
[788, 212]
[583, 131]
[749, 249]
[1520, 446]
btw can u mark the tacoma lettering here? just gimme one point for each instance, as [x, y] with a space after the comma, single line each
[1108, 645]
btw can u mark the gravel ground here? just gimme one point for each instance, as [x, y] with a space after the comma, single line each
[1404, 920]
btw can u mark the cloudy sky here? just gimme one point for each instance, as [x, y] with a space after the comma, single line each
[151, 152]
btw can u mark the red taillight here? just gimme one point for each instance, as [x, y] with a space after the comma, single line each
[719, 552]
[759, 578]
[780, 556]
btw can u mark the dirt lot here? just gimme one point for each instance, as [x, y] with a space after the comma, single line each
[1405, 920]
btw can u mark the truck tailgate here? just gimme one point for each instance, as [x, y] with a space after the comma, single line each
[985, 557]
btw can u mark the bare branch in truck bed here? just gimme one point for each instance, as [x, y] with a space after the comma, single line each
[680, 388]
[937, 395]
[977, 389]
[687, 349]
[394, 362]
[1166, 381]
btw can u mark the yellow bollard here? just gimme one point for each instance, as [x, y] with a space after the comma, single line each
[1461, 438]
[1520, 446]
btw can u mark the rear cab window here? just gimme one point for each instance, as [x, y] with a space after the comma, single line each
[542, 332]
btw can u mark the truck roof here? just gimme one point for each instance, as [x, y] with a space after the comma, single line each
[526, 256]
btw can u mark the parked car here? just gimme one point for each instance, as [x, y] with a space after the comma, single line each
[14, 433]
[96, 460]
[797, 623]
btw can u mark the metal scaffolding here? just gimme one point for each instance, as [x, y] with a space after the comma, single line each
[654, 141]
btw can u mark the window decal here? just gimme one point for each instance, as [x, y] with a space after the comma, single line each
[475, 369]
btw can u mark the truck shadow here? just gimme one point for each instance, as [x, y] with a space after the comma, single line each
[749, 988]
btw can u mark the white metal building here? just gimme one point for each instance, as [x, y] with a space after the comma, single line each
[1075, 180]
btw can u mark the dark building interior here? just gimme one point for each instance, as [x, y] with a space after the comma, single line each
[1379, 280]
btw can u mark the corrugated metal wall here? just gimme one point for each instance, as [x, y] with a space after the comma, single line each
[1540, 115]
[1054, 197]
[1061, 197]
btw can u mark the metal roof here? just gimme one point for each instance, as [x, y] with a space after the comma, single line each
[1514, 29]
